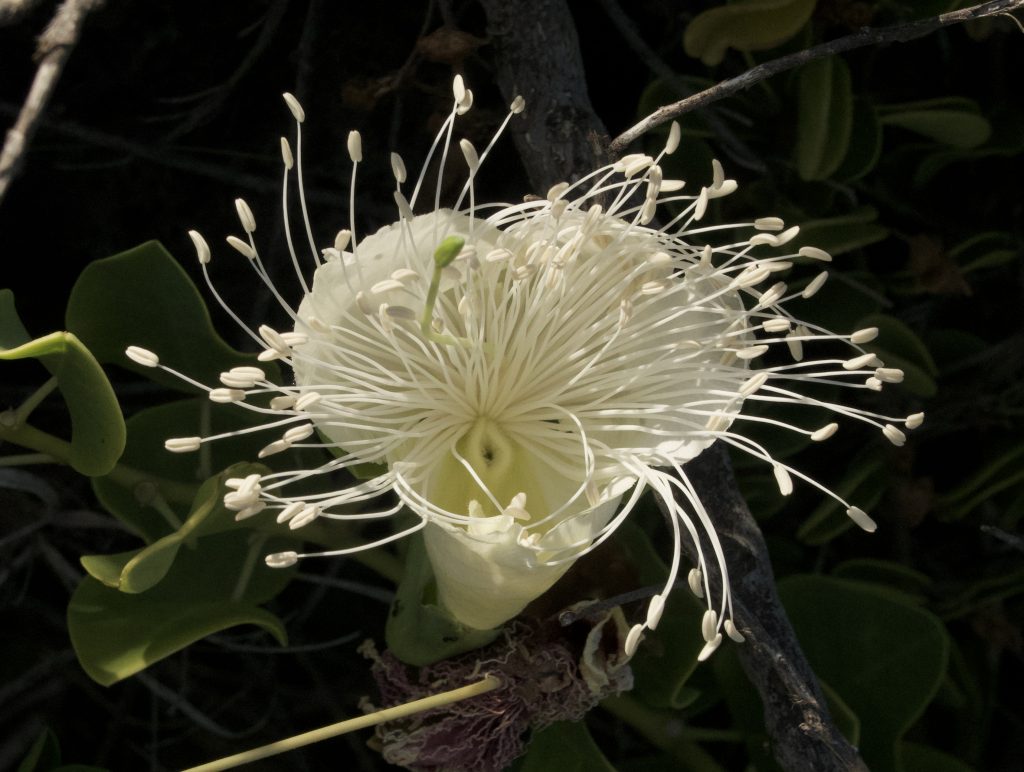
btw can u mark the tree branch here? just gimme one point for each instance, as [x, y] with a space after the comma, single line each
[730, 143]
[802, 733]
[538, 55]
[52, 52]
[896, 33]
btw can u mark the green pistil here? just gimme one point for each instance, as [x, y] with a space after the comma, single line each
[446, 252]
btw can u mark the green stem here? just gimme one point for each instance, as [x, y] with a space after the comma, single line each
[664, 730]
[381, 561]
[24, 410]
[57, 450]
[256, 542]
[60, 450]
[426, 321]
[25, 459]
[487, 684]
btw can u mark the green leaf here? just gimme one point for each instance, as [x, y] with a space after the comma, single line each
[865, 146]
[990, 249]
[886, 658]
[1007, 141]
[843, 716]
[999, 468]
[44, 754]
[899, 346]
[746, 25]
[863, 484]
[565, 746]
[176, 477]
[843, 233]
[12, 331]
[418, 631]
[138, 571]
[953, 121]
[744, 705]
[210, 587]
[97, 426]
[825, 117]
[888, 575]
[157, 307]
[915, 757]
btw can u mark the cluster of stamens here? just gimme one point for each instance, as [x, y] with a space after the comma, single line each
[563, 330]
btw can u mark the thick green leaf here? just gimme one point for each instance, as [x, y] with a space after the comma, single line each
[899, 346]
[863, 484]
[746, 25]
[12, 331]
[989, 249]
[1000, 468]
[886, 658]
[157, 307]
[865, 145]
[887, 574]
[745, 707]
[843, 716]
[141, 570]
[954, 121]
[213, 586]
[107, 568]
[843, 302]
[159, 496]
[97, 426]
[418, 631]
[565, 746]
[824, 118]
[176, 476]
[843, 233]
[915, 757]
[1007, 141]
[44, 754]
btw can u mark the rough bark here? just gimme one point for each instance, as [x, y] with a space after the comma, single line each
[559, 137]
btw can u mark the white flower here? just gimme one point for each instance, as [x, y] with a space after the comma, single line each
[525, 372]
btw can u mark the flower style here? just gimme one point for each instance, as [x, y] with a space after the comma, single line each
[525, 372]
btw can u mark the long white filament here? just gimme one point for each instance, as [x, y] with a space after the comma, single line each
[601, 348]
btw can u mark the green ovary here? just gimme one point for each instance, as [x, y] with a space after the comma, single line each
[499, 461]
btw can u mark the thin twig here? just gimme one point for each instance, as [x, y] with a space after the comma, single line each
[52, 52]
[896, 33]
[733, 145]
[177, 157]
[219, 94]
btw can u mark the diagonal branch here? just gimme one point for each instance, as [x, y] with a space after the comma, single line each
[52, 52]
[869, 36]
[731, 144]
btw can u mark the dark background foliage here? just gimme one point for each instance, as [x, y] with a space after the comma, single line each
[168, 111]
